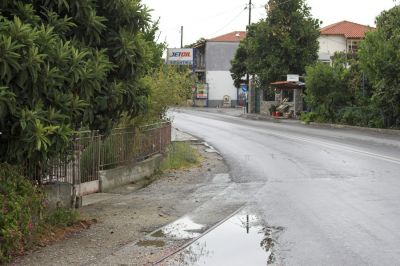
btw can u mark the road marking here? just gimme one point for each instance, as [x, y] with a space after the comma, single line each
[347, 148]
[321, 143]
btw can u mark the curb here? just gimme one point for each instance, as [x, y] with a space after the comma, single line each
[393, 132]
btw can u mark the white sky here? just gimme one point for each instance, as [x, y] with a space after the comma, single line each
[211, 18]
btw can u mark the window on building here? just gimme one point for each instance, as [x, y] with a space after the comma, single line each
[353, 45]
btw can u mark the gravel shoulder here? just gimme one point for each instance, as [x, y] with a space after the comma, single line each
[130, 213]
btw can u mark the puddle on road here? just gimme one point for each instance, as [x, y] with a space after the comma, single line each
[241, 240]
[183, 228]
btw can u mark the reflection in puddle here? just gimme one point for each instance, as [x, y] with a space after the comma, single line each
[241, 240]
[183, 228]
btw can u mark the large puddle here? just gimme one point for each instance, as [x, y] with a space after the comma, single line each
[241, 240]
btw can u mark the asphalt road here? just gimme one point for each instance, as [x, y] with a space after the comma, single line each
[335, 192]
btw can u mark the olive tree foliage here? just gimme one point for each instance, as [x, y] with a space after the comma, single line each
[67, 65]
[380, 56]
[283, 43]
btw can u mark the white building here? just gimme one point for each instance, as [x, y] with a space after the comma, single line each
[212, 64]
[343, 36]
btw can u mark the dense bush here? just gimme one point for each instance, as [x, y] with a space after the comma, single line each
[379, 56]
[21, 209]
[361, 116]
[170, 85]
[61, 217]
[308, 117]
[24, 215]
[66, 65]
[326, 91]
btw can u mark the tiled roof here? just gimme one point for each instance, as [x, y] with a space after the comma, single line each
[235, 36]
[347, 29]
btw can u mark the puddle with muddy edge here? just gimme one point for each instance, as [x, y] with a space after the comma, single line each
[241, 240]
[183, 228]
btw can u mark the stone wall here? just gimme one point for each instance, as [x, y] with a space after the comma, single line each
[265, 105]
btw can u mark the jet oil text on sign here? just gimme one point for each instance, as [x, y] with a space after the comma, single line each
[177, 56]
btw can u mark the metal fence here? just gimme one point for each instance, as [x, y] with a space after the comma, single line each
[91, 152]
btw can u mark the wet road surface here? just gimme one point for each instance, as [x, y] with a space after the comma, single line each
[334, 194]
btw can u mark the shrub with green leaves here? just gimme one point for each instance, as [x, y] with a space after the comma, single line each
[367, 116]
[66, 65]
[24, 214]
[326, 90]
[379, 56]
[169, 85]
[21, 207]
[61, 217]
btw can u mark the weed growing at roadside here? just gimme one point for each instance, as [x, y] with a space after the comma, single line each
[24, 214]
[180, 155]
[21, 205]
[62, 217]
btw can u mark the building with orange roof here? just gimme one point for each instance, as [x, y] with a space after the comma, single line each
[212, 64]
[344, 36]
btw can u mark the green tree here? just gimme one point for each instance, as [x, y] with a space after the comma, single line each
[66, 65]
[285, 42]
[326, 89]
[380, 56]
[169, 85]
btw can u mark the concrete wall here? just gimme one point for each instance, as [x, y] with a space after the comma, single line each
[110, 179]
[219, 55]
[58, 194]
[328, 45]
[220, 83]
[88, 188]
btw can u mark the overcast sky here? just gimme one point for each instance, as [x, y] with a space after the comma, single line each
[211, 18]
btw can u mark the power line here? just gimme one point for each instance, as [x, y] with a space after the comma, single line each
[230, 22]
[224, 12]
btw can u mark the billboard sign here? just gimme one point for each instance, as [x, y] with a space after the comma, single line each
[293, 77]
[182, 56]
[202, 91]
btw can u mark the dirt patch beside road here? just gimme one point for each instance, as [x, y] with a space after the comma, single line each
[129, 213]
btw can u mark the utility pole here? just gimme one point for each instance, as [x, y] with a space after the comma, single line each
[249, 12]
[181, 36]
[249, 94]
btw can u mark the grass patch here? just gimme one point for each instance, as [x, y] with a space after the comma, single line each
[180, 155]
[62, 217]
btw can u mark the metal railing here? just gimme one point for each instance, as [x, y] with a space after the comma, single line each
[91, 152]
